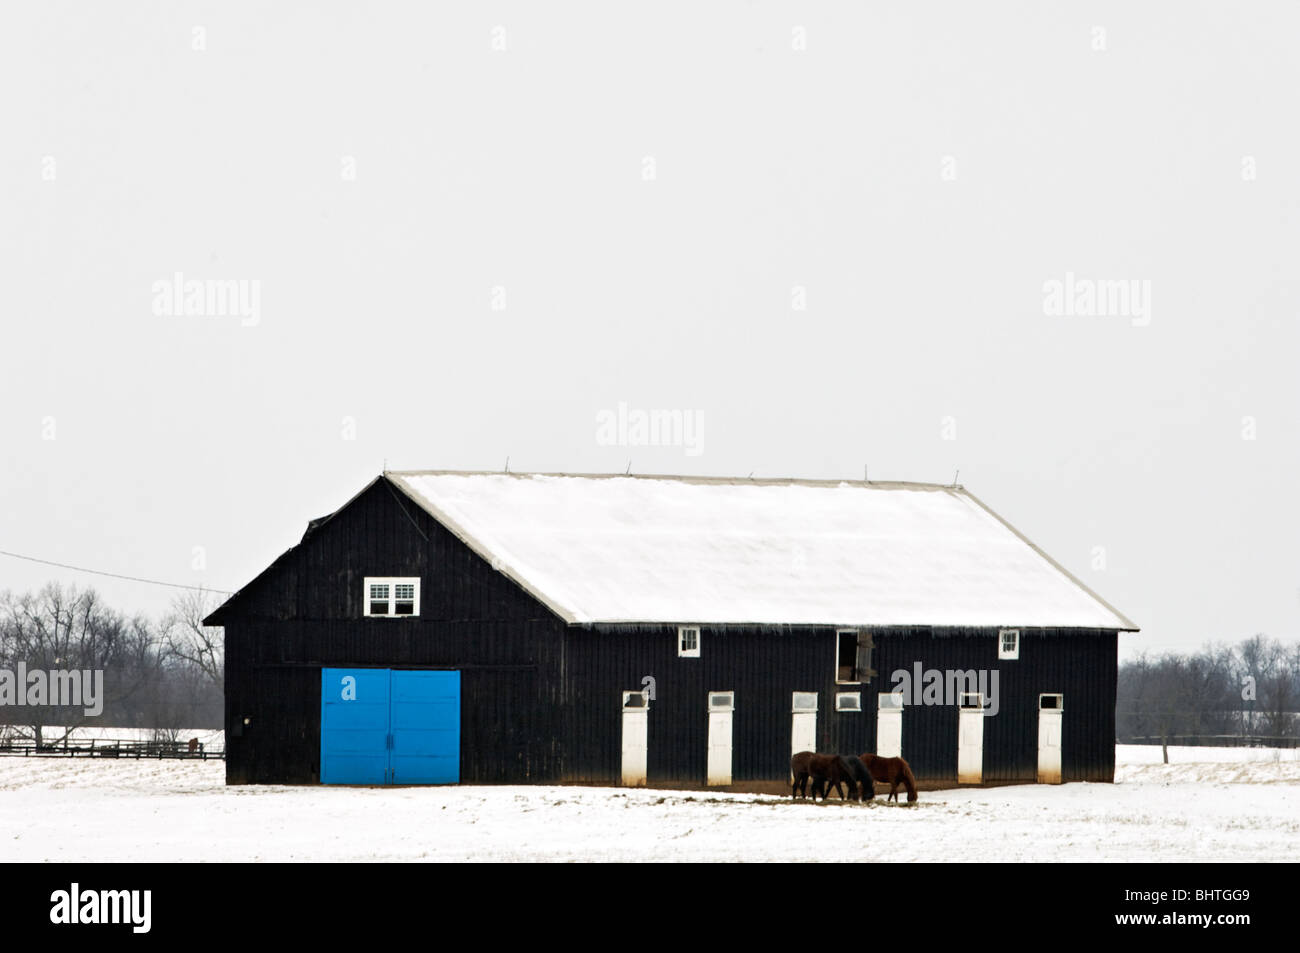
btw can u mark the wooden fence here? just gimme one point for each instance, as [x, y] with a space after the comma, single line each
[113, 748]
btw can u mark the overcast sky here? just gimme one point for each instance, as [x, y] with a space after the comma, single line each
[825, 234]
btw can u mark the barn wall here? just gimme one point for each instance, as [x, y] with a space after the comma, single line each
[306, 613]
[1080, 664]
[762, 668]
[765, 667]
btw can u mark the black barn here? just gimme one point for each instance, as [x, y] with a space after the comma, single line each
[679, 631]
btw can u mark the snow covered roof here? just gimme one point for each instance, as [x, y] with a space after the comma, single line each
[610, 549]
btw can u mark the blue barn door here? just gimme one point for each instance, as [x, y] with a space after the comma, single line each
[380, 726]
[354, 726]
[425, 728]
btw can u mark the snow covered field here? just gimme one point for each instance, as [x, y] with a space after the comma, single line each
[1208, 804]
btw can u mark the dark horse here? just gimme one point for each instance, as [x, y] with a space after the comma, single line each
[858, 771]
[892, 771]
[826, 771]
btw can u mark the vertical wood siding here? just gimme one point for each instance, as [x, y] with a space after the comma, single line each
[765, 668]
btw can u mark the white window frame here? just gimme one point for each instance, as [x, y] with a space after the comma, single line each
[796, 708]
[979, 701]
[841, 697]
[1003, 651]
[895, 701]
[839, 633]
[1060, 705]
[392, 582]
[727, 702]
[643, 696]
[683, 652]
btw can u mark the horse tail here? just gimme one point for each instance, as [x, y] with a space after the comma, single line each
[908, 780]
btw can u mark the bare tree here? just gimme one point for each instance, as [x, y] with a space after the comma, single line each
[189, 640]
[1271, 664]
[1134, 688]
[65, 629]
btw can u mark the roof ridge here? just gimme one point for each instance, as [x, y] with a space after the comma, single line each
[688, 478]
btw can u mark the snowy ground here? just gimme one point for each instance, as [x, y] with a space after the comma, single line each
[1208, 804]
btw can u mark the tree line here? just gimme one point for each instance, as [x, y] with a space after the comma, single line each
[1222, 694]
[163, 674]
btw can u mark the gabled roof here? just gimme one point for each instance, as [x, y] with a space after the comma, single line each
[651, 549]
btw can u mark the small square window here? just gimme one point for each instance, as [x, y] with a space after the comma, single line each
[636, 701]
[848, 701]
[971, 700]
[1009, 644]
[722, 701]
[688, 641]
[804, 701]
[391, 598]
[1051, 702]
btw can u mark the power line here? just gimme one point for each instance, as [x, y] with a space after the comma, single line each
[114, 575]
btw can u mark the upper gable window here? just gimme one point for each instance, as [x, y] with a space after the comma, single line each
[688, 641]
[392, 597]
[1009, 643]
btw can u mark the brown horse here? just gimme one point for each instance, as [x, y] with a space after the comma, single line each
[826, 770]
[891, 771]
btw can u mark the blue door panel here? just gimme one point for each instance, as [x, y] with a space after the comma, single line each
[425, 728]
[354, 726]
[380, 726]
